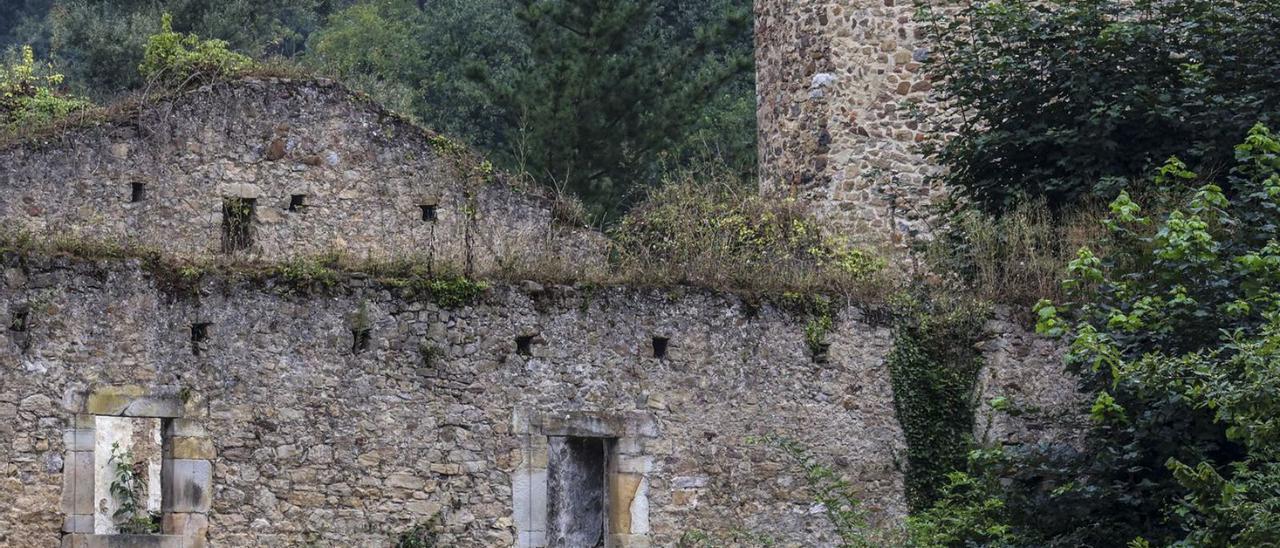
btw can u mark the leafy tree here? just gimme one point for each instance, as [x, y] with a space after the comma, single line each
[414, 59]
[30, 92]
[1068, 101]
[1176, 335]
[603, 95]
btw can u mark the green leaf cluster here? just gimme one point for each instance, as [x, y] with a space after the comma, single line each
[1176, 335]
[934, 368]
[174, 59]
[30, 92]
[1072, 101]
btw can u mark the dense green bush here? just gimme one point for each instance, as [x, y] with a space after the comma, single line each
[174, 59]
[1069, 100]
[29, 92]
[1176, 334]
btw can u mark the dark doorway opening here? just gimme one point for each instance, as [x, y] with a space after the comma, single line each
[576, 484]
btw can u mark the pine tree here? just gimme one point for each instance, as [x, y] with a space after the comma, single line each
[607, 92]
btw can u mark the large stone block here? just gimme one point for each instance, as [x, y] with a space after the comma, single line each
[529, 505]
[191, 525]
[77, 523]
[186, 485]
[133, 401]
[78, 439]
[77, 483]
[190, 448]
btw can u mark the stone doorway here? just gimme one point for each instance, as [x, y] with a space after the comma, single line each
[582, 479]
[576, 484]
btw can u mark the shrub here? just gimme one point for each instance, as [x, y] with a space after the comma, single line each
[1175, 333]
[29, 92]
[969, 512]
[173, 59]
[712, 233]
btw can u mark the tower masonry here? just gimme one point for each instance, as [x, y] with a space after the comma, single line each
[842, 93]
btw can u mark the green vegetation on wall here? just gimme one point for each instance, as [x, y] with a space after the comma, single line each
[31, 93]
[934, 368]
[175, 60]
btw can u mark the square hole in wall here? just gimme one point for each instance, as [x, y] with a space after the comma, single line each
[21, 319]
[360, 339]
[200, 338]
[428, 212]
[524, 345]
[821, 352]
[660, 347]
[137, 192]
[127, 460]
[297, 203]
[237, 224]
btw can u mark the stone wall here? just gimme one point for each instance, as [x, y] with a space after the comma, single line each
[443, 414]
[363, 177]
[841, 96]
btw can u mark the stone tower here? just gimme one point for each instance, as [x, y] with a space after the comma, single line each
[841, 91]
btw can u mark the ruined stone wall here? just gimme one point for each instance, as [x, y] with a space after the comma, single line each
[841, 98]
[363, 175]
[315, 442]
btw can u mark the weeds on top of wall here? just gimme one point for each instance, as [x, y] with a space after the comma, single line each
[705, 231]
[172, 59]
[1016, 258]
[31, 93]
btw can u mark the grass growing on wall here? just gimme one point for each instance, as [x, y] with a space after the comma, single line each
[934, 368]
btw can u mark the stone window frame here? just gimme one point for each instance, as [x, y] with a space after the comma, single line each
[629, 466]
[186, 469]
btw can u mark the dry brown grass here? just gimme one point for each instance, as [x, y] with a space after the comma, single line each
[1018, 258]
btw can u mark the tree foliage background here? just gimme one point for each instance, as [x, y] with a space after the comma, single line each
[596, 97]
[1160, 109]
[1072, 101]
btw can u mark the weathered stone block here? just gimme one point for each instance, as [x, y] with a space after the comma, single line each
[190, 448]
[78, 439]
[240, 190]
[184, 428]
[529, 505]
[187, 524]
[186, 485]
[133, 401]
[133, 541]
[77, 483]
[77, 523]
